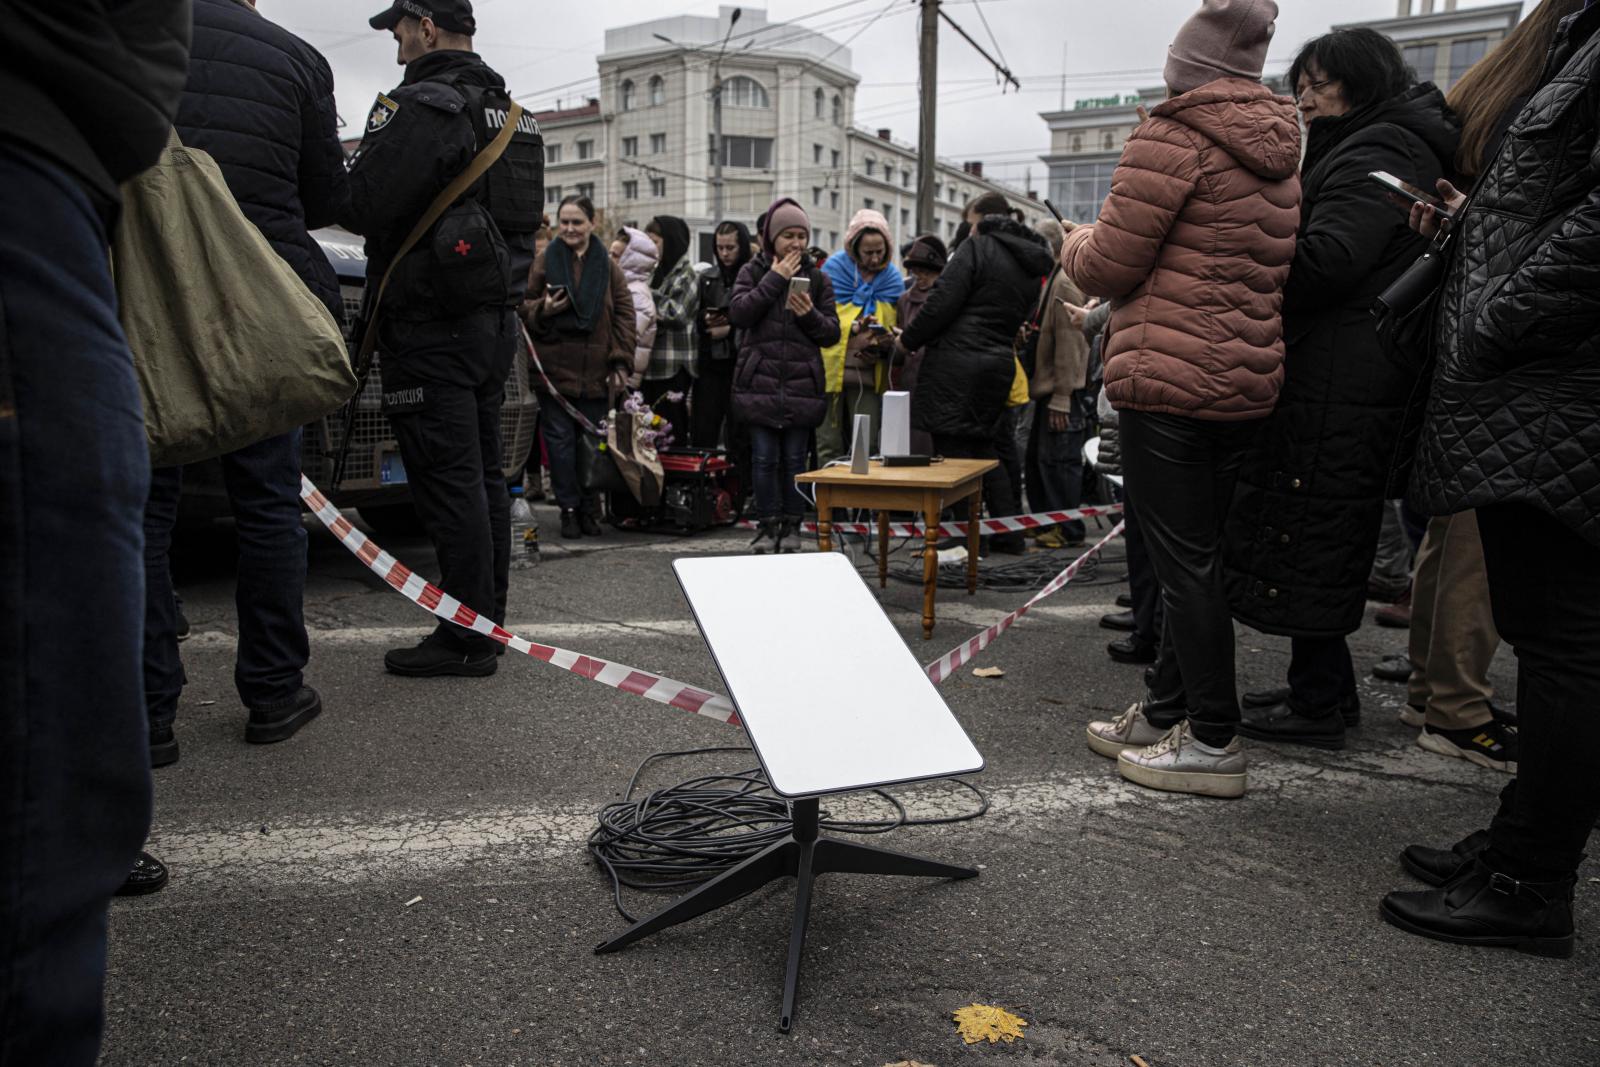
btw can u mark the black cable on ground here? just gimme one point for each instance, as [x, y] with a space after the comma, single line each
[676, 838]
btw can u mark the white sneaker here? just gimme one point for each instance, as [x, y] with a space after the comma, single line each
[1179, 764]
[1128, 730]
[1411, 715]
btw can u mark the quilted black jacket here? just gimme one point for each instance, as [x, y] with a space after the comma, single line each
[1514, 415]
[1304, 526]
[968, 325]
[260, 102]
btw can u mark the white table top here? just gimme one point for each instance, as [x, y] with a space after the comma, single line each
[830, 696]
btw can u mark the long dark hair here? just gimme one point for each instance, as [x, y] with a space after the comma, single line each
[1366, 64]
[1502, 77]
[674, 234]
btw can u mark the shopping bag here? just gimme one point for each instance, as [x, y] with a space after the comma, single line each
[230, 346]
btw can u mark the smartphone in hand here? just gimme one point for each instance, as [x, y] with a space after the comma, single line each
[799, 284]
[1405, 194]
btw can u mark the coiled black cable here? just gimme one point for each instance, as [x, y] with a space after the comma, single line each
[673, 839]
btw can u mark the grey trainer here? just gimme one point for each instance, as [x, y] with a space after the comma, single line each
[1177, 764]
[1128, 730]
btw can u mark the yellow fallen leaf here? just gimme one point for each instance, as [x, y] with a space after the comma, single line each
[988, 672]
[979, 1022]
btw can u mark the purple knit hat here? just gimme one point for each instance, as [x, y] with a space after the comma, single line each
[784, 213]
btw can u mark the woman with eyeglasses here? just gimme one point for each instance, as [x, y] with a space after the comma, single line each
[1304, 528]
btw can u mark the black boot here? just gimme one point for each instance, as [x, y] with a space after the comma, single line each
[279, 720]
[570, 530]
[766, 538]
[789, 539]
[1349, 708]
[1483, 907]
[1436, 866]
[149, 875]
[1132, 649]
[1119, 620]
[588, 524]
[1281, 722]
[436, 656]
[163, 746]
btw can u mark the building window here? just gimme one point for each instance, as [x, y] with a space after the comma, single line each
[1079, 189]
[552, 194]
[835, 159]
[585, 189]
[1108, 140]
[905, 179]
[658, 143]
[833, 200]
[816, 151]
[905, 217]
[630, 146]
[744, 92]
[833, 238]
[552, 153]
[658, 91]
[950, 230]
[938, 190]
[816, 196]
[753, 152]
[867, 203]
[1423, 59]
[1077, 142]
[627, 96]
[838, 111]
[872, 165]
[1463, 54]
[819, 101]
[658, 187]
[630, 190]
[585, 149]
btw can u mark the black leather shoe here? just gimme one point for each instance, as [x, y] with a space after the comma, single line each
[434, 658]
[149, 875]
[1488, 909]
[1131, 650]
[1395, 667]
[588, 524]
[163, 746]
[1350, 710]
[1119, 620]
[1436, 866]
[1505, 715]
[1124, 600]
[570, 530]
[1282, 723]
[279, 720]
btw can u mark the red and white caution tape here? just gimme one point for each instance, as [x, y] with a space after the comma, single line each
[1037, 520]
[616, 675]
[411, 586]
[947, 664]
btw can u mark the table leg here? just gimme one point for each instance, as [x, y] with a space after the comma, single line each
[930, 560]
[883, 550]
[974, 517]
[824, 519]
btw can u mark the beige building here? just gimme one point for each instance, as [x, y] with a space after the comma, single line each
[1086, 140]
[643, 147]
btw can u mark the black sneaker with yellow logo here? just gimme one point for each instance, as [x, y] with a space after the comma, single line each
[1492, 745]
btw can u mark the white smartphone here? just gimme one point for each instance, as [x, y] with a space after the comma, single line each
[799, 284]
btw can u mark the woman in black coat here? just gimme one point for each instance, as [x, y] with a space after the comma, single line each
[1304, 526]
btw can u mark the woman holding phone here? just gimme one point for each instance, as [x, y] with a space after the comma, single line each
[581, 317]
[1304, 527]
[784, 305]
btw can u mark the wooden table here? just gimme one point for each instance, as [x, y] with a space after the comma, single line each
[928, 490]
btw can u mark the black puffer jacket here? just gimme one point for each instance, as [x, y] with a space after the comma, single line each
[260, 102]
[968, 324]
[92, 85]
[1514, 415]
[778, 380]
[1304, 526]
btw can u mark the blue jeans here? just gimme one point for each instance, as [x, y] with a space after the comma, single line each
[74, 758]
[1055, 468]
[776, 457]
[561, 441]
[263, 484]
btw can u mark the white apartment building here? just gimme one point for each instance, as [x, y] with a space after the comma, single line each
[643, 147]
[1086, 140]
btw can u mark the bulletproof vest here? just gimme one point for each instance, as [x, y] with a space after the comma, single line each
[514, 186]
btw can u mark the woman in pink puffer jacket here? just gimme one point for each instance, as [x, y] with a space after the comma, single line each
[637, 258]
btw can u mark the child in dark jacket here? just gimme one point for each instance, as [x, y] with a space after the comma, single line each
[778, 383]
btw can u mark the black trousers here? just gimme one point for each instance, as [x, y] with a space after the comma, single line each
[997, 494]
[1143, 585]
[1544, 589]
[674, 411]
[1184, 470]
[1321, 676]
[712, 422]
[443, 385]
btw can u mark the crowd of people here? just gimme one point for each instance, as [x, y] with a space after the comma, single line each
[1238, 327]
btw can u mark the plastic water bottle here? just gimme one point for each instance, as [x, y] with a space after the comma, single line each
[524, 530]
[530, 544]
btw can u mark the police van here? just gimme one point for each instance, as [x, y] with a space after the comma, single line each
[374, 479]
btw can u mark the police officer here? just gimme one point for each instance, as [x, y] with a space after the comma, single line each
[446, 320]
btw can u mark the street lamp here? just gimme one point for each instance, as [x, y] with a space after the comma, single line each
[716, 111]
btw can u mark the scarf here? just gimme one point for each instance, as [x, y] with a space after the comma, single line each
[589, 294]
[850, 287]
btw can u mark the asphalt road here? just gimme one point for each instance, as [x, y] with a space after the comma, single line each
[405, 882]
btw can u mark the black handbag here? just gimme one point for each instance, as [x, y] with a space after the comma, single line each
[1405, 314]
[597, 468]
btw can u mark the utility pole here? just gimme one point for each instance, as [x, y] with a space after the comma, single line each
[927, 127]
[717, 215]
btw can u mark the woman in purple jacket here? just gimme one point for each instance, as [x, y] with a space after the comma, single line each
[778, 383]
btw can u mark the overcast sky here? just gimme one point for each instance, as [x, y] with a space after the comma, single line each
[547, 48]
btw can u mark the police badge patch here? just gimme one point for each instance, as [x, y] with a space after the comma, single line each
[383, 109]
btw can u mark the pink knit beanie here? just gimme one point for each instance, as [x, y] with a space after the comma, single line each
[862, 221]
[1224, 39]
[785, 213]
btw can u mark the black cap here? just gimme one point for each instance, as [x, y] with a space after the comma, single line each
[452, 15]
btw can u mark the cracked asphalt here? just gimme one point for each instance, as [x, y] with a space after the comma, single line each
[405, 881]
